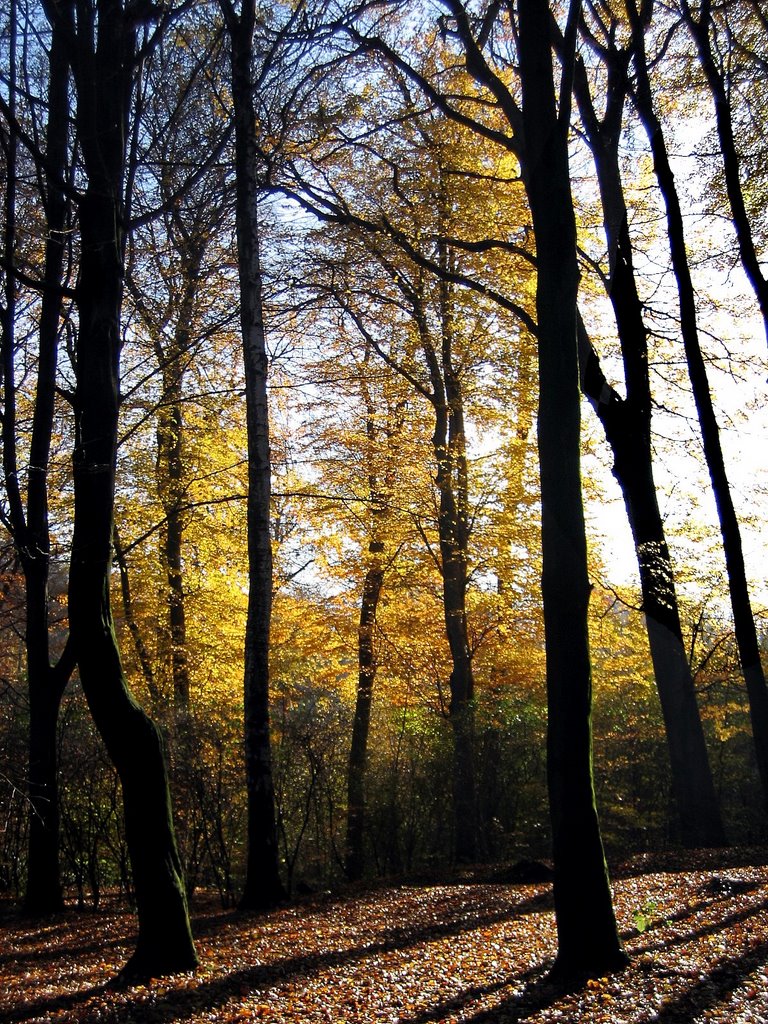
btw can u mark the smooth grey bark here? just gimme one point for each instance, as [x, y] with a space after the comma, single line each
[627, 425]
[263, 887]
[743, 618]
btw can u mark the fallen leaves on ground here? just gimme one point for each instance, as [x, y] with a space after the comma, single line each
[470, 951]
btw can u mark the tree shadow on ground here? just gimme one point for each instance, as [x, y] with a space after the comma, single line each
[714, 989]
[180, 1003]
[721, 925]
[522, 994]
[539, 993]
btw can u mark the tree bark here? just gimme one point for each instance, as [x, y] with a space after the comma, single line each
[43, 893]
[263, 887]
[451, 479]
[627, 425]
[743, 618]
[103, 65]
[46, 682]
[715, 78]
[581, 888]
[448, 442]
[358, 752]
[170, 471]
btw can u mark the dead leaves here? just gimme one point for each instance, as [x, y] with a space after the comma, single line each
[412, 955]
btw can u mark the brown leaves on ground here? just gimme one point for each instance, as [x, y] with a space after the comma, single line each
[471, 951]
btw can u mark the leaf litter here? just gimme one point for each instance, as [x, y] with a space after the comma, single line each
[468, 950]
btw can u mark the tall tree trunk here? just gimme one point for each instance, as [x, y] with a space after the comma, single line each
[358, 752]
[103, 69]
[171, 475]
[46, 683]
[627, 424]
[581, 888]
[263, 887]
[715, 76]
[449, 447]
[743, 619]
[132, 740]
[43, 893]
[380, 483]
[448, 442]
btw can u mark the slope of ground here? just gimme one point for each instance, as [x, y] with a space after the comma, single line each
[473, 950]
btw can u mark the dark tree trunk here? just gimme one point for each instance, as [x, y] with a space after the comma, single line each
[449, 446]
[43, 893]
[358, 752]
[743, 619]
[46, 683]
[452, 529]
[145, 661]
[715, 76]
[171, 475]
[627, 425]
[132, 740]
[582, 891]
[103, 69]
[263, 887]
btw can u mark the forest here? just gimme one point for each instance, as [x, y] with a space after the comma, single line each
[383, 417]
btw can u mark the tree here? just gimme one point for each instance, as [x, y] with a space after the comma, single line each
[627, 425]
[174, 263]
[706, 31]
[263, 887]
[744, 622]
[581, 879]
[29, 522]
[403, 285]
[386, 434]
[103, 56]
[537, 134]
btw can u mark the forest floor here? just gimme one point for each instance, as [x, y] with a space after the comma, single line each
[473, 949]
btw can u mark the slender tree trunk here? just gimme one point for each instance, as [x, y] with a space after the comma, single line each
[692, 782]
[263, 887]
[453, 549]
[46, 684]
[716, 81]
[627, 424]
[582, 891]
[102, 60]
[380, 483]
[449, 446]
[132, 740]
[43, 893]
[172, 478]
[358, 752]
[145, 661]
[743, 619]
